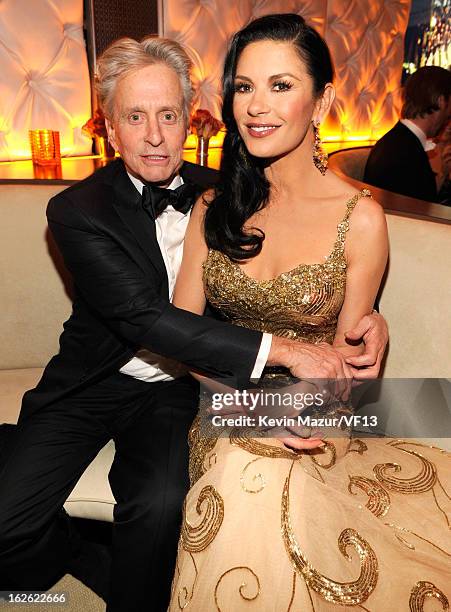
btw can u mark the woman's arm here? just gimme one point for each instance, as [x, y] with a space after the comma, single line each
[189, 289]
[366, 255]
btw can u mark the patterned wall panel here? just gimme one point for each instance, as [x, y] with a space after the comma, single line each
[113, 19]
[367, 42]
[44, 81]
[365, 37]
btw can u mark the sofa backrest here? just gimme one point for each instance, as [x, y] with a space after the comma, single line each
[350, 162]
[416, 297]
[33, 283]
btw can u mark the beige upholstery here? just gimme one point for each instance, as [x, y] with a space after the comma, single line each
[34, 299]
[13, 383]
[34, 296]
[416, 293]
[416, 301]
[350, 162]
[92, 497]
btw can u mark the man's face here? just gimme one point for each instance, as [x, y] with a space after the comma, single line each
[147, 126]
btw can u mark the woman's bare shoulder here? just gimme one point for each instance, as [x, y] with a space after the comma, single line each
[368, 233]
[368, 215]
[367, 210]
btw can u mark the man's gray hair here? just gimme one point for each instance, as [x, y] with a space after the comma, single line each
[127, 55]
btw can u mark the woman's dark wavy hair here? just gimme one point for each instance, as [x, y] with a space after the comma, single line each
[244, 189]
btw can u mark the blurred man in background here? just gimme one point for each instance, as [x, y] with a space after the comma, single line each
[399, 161]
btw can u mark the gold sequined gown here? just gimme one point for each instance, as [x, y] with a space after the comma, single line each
[360, 525]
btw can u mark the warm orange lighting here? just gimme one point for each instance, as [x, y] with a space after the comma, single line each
[215, 141]
[45, 147]
[47, 172]
[345, 136]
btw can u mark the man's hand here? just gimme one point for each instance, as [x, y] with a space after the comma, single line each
[312, 362]
[373, 330]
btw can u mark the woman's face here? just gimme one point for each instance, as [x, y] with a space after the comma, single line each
[273, 103]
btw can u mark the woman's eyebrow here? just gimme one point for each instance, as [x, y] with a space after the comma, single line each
[270, 78]
[283, 74]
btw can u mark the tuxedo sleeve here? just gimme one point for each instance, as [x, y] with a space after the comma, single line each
[399, 164]
[128, 301]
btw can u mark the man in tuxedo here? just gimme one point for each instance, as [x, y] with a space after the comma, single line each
[398, 161]
[118, 373]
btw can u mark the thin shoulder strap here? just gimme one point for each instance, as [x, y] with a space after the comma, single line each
[343, 226]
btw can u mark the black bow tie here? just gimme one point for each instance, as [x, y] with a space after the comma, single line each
[156, 199]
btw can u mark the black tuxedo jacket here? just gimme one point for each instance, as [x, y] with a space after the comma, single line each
[109, 245]
[399, 163]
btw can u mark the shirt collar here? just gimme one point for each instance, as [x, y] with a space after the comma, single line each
[427, 145]
[176, 182]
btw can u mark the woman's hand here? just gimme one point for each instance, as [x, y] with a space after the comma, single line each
[372, 329]
[297, 443]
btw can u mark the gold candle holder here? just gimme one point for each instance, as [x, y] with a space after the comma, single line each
[47, 172]
[202, 150]
[45, 147]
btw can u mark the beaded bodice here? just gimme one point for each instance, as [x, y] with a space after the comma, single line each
[302, 303]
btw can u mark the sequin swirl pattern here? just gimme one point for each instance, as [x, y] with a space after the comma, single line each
[302, 303]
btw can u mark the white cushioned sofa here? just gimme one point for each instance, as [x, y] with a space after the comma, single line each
[35, 297]
[35, 289]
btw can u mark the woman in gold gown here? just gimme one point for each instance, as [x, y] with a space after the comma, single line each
[355, 524]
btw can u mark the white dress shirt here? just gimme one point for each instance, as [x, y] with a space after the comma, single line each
[170, 229]
[428, 145]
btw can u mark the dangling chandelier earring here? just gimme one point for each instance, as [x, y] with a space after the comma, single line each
[319, 154]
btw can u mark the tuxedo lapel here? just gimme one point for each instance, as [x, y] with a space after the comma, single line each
[127, 203]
